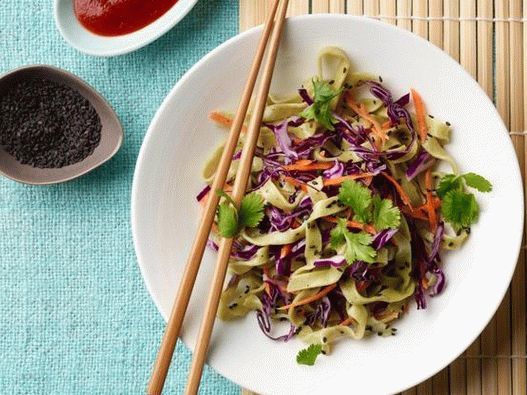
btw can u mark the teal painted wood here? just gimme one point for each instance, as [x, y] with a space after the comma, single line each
[75, 317]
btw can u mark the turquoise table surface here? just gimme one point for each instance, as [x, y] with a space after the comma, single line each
[75, 317]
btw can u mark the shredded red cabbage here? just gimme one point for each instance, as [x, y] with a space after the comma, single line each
[336, 171]
[382, 238]
[335, 261]
[203, 193]
[422, 162]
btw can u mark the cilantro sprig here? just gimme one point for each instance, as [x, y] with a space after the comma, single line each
[367, 208]
[309, 355]
[459, 207]
[320, 111]
[357, 245]
[232, 221]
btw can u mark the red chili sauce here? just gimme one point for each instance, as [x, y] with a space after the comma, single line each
[118, 17]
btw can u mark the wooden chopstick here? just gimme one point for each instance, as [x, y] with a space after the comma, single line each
[168, 343]
[238, 191]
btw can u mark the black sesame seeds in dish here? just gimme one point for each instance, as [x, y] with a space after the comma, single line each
[46, 124]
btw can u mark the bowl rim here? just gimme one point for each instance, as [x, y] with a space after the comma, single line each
[142, 163]
[125, 49]
[69, 76]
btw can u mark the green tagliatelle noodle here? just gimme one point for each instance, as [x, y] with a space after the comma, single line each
[295, 266]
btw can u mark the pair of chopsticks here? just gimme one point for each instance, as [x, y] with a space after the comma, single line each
[271, 35]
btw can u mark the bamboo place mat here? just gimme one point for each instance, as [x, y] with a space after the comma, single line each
[488, 38]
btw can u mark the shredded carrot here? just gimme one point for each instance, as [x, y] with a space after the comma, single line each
[361, 110]
[432, 215]
[285, 250]
[266, 285]
[340, 180]
[296, 140]
[354, 225]
[312, 298]
[424, 283]
[399, 188]
[308, 165]
[223, 120]
[436, 203]
[415, 213]
[386, 125]
[296, 183]
[362, 285]
[348, 321]
[420, 113]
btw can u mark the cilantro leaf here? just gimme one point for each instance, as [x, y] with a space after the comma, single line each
[385, 215]
[251, 211]
[309, 355]
[358, 197]
[478, 182]
[320, 110]
[232, 221]
[448, 183]
[338, 233]
[227, 220]
[460, 208]
[358, 247]
[224, 194]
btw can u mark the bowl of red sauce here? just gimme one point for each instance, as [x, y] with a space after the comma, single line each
[117, 27]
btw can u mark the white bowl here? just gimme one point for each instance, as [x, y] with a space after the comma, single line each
[165, 212]
[92, 44]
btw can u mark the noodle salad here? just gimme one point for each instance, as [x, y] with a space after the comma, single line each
[346, 212]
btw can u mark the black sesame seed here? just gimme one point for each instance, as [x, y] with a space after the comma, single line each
[448, 123]
[345, 70]
[324, 340]
[47, 125]
[323, 352]
[380, 79]
[232, 306]
[431, 116]
[331, 82]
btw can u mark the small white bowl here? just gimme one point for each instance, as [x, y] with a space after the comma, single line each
[92, 44]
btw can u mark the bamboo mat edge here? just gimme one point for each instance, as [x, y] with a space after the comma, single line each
[489, 39]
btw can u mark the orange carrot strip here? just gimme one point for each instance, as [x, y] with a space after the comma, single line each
[296, 183]
[312, 298]
[340, 180]
[417, 214]
[432, 215]
[266, 285]
[386, 125]
[297, 166]
[420, 113]
[362, 112]
[348, 321]
[354, 225]
[223, 120]
[436, 203]
[362, 285]
[285, 250]
[399, 188]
